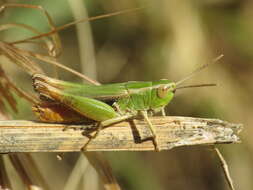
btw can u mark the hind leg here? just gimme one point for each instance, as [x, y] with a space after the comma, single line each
[105, 123]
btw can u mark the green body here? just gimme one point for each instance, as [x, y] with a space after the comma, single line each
[107, 104]
[93, 101]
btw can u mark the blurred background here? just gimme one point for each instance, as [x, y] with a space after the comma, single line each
[165, 39]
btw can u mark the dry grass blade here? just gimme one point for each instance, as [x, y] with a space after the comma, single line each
[52, 44]
[32, 170]
[77, 173]
[79, 21]
[4, 180]
[46, 43]
[17, 136]
[21, 57]
[55, 50]
[18, 58]
[104, 170]
[16, 162]
[53, 61]
[6, 85]
[225, 168]
[5, 93]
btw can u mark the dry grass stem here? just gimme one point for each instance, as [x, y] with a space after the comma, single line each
[225, 169]
[4, 179]
[104, 170]
[26, 179]
[172, 131]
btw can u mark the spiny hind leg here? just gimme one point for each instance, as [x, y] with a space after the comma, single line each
[103, 124]
[152, 129]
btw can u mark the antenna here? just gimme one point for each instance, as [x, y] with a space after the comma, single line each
[196, 85]
[199, 69]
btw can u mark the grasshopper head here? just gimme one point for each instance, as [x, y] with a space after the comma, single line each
[165, 90]
[162, 93]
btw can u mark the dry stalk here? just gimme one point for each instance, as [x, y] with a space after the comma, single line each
[172, 131]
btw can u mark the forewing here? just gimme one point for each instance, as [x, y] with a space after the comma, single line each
[102, 92]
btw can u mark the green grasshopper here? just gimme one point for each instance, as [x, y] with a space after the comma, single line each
[107, 104]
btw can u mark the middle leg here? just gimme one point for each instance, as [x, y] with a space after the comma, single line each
[151, 127]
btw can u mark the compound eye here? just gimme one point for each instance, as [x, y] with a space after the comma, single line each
[162, 91]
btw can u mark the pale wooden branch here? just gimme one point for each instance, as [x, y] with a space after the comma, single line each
[172, 131]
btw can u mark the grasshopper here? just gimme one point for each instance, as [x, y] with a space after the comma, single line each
[67, 102]
[107, 104]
